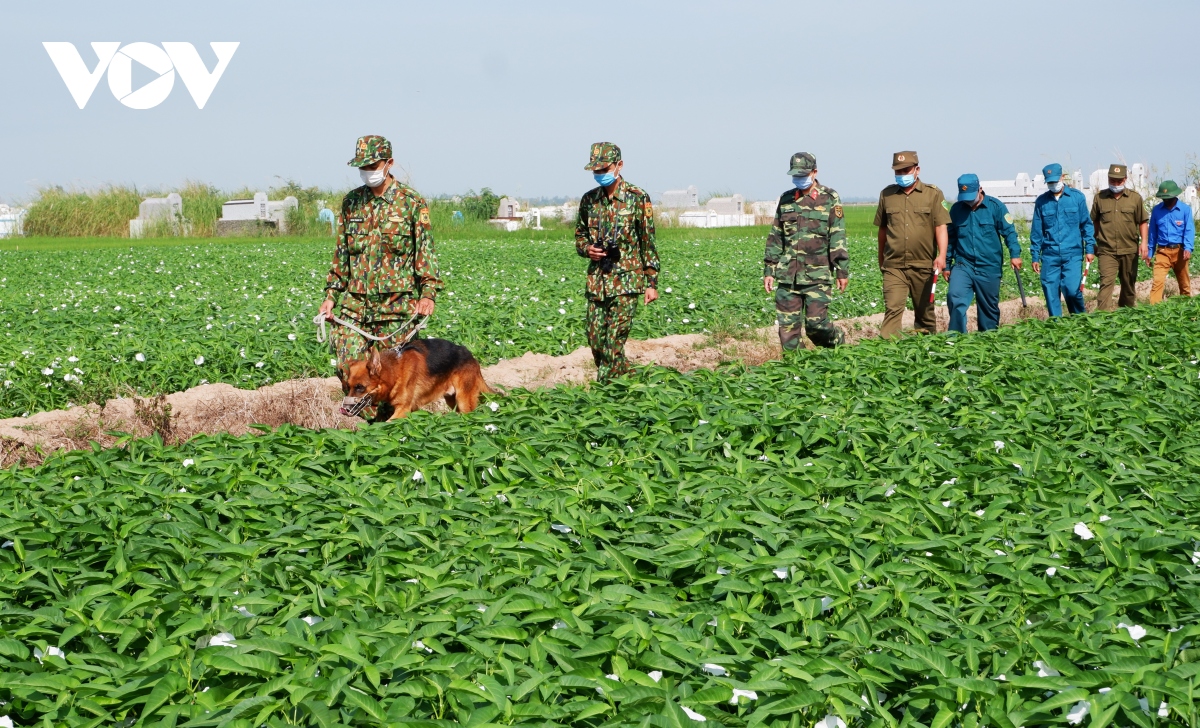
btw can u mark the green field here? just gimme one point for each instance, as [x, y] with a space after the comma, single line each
[246, 306]
[995, 530]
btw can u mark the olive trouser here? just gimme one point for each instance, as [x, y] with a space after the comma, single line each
[1113, 266]
[1170, 259]
[899, 285]
[608, 323]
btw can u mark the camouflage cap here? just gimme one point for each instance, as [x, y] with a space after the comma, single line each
[802, 163]
[603, 154]
[902, 160]
[1117, 171]
[370, 149]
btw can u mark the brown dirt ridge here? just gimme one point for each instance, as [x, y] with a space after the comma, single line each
[314, 402]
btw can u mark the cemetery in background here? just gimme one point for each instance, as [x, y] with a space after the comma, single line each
[203, 211]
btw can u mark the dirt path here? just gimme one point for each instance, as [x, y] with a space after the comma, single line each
[313, 403]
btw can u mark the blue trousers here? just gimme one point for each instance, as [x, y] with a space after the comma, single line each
[966, 282]
[1061, 276]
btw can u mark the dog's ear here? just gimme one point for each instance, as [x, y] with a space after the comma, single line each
[374, 364]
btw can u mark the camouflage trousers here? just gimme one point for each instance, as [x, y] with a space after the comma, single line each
[608, 323]
[801, 306]
[348, 346]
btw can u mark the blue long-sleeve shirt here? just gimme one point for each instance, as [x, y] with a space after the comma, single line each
[974, 236]
[1061, 225]
[1171, 227]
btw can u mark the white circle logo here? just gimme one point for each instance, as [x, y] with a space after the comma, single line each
[120, 75]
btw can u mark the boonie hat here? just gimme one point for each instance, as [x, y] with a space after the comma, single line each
[968, 187]
[900, 160]
[1168, 190]
[370, 149]
[603, 154]
[1052, 172]
[1117, 171]
[802, 163]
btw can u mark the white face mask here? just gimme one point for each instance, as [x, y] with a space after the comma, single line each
[374, 177]
[1056, 187]
[1116, 189]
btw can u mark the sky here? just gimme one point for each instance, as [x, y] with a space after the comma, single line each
[510, 95]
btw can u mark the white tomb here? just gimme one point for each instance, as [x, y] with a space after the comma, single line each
[165, 211]
[511, 218]
[241, 216]
[681, 199]
[12, 221]
[718, 212]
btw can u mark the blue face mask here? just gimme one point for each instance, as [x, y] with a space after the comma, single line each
[803, 183]
[1056, 187]
[906, 180]
[606, 179]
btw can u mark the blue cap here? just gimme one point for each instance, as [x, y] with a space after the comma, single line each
[1052, 172]
[968, 187]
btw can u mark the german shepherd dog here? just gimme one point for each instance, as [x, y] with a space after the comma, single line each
[405, 380]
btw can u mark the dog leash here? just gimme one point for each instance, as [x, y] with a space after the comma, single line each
[323, 336]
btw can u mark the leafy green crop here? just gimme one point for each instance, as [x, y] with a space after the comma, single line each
[887, 534]
[77, 321]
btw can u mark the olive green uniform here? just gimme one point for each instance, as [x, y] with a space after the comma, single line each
[1118, 223]
[911, 221]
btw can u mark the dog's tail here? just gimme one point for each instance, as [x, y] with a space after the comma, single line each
[485, 388]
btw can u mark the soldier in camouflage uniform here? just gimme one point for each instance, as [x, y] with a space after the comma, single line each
[615, 232]
[384, 266]
[806, 251]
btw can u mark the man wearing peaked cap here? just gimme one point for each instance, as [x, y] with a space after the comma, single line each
[615, 232]
[1172, 235]
[912, 218]
[979, 225]
[1060, 237]
[384, 266]
[806, 252]
[1122, 225]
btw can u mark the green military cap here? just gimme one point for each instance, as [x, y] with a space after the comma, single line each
[1168, 190]
[370, 149]
[1117, 171]
[802, 163]
[603, 154]
[901, 160]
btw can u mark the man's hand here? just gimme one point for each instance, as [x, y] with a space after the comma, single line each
[1015, 263]
[842, 283]
[769, 283]
[939, 264]
[1144, 251]
[326, 307]
[595, 252]
[425, 307]
[1187, 255]
[1090, 257]
[946, 275]
[651, 295]
[1037, 267]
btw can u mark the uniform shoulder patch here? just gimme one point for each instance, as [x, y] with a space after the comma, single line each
[837, 210]
[945, 203]
[1008, 218]
[424, 216]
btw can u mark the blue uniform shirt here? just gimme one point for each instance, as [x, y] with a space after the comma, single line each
[974, 235]
[1171, 227]
[1061, 225]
